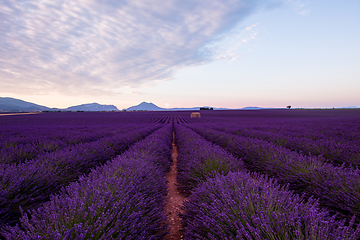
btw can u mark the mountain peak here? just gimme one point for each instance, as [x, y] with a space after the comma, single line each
[145, 106]
[16, 105]
[93, 107]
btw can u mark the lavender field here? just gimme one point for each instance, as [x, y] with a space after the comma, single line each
[263, 174]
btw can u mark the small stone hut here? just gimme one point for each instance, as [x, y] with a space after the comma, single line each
[195, 115]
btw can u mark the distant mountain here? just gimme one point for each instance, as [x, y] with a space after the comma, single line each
[250, 108]
[183, 109]
[8, 104]
[16, 105]
[193, 109]
[144, 106]
[92, 107]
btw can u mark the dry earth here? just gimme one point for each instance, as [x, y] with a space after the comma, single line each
[174, 198]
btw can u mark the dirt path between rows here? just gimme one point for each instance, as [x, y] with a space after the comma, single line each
[174, 199]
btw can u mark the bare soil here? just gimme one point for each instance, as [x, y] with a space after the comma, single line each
[174, 199]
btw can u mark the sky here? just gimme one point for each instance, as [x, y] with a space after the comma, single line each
[181, 53]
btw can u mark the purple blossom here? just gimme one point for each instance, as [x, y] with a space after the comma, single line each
[237, 207]
[122, 199]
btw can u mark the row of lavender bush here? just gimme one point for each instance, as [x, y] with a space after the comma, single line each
[30, 144]
[332, 149]
[337, 188]
[322, 125]
[225, 204]
[241, 205]
[338, 129]
[198, 159]
[123, 199]
[22, 135]
[28, 184]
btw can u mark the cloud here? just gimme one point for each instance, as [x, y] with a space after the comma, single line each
[231, 45]
[300, 7]
[95, 46]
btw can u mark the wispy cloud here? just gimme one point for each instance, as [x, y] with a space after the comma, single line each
[95, 46]
[301, 7]
[233, 44]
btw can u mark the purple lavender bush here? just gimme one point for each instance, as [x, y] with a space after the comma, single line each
[123, 199]
[198, 159]
[337, 188]
[252, 206]
[338, 151]
[29, 143]
[28, 184]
